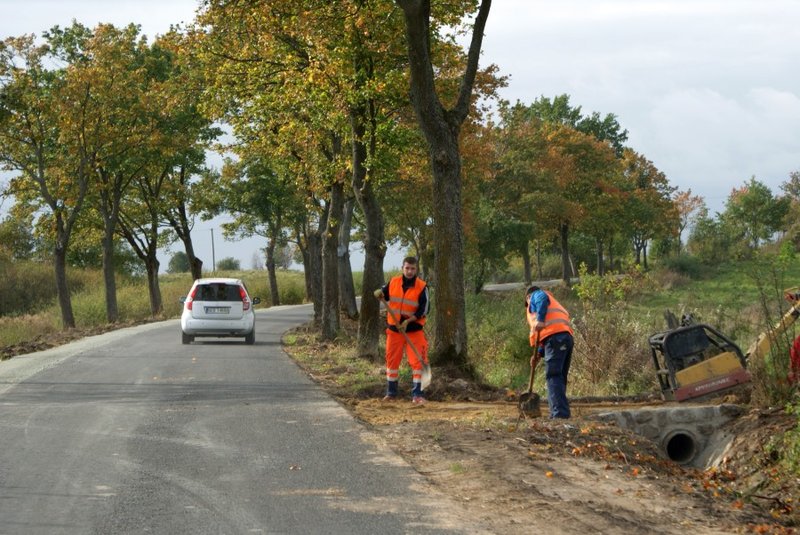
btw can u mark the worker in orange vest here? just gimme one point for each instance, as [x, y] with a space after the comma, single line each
[406, 297]
[551, 338]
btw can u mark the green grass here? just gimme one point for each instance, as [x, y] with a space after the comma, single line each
[457, 468]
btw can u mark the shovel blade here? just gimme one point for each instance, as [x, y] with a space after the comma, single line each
[426, 376]
[529, 403]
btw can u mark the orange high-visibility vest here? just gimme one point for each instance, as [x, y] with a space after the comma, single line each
[404, 303]
[556, 320]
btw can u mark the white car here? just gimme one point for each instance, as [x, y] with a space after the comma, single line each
[220, 308]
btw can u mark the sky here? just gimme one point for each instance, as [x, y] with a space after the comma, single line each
[709, 90]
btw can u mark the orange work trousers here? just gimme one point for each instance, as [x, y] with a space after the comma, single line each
[395, 346]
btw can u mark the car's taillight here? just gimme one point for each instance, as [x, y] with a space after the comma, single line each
[190, 299]
[245, 300]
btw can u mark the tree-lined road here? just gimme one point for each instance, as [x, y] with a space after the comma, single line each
[132, 432]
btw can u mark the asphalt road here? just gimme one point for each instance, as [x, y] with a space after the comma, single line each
[133, 432]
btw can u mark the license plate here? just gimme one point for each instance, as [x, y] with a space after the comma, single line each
[217, 310]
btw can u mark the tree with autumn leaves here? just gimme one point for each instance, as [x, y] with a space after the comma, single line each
[87, 118]
[302, 67]
[559, 172]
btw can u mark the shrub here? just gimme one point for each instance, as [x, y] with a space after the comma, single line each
[666, 279]
[551, 267]
[27, 287]
[787, 447]
[229, 264]
[612, 356]
[770, 369]
[179, 263]
[498, 338]
[684, 264]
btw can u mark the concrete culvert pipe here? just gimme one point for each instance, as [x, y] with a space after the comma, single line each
[680, 446]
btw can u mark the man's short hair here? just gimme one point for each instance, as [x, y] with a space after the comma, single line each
[410, 260]
[531, 289]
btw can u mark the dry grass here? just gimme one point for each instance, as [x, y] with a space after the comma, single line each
[18, 329]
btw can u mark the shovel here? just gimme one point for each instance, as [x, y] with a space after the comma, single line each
[426, 368]
[529, 401]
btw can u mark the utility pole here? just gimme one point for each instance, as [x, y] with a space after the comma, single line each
[213, 258]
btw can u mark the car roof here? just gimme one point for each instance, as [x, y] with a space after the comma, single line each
[218, 280]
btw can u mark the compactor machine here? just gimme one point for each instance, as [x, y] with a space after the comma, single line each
[695, 360]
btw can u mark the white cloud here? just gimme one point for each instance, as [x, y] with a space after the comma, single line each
[709, 90]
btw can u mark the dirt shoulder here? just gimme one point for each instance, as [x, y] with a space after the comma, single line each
[516, 473]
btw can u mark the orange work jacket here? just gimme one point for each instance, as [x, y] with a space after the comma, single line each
[556, 320]
[404, 304]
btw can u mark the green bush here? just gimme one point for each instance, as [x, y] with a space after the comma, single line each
[551, 267]
[688, 265]
[229, 264]
[498, 345]
[27, 287]
[787, 447]
[179, 263]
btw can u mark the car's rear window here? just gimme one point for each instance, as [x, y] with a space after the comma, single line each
[218, 292]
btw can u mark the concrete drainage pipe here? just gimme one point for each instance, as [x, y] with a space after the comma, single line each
[680, 446]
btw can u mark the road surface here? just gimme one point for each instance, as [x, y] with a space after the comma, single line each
[133, 432]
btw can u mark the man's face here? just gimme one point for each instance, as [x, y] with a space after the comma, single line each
[409, 270]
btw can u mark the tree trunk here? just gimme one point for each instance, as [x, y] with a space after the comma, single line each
[611, 253]
[143, 239]
[111, 187]
[450, 342]
[64, 299]
[330, 264]
[347, 290]
[109, 279]
[566, 269]
[526, 263]
[644, 254]
[272, 276]
[426, 257]
[441, 130]
[180, 224]
[598, 247]
[314, 267]
[637, 247]
[182, 228]
[370, 324]
[539, 272]
[274, 240]
[156, 304]
[301, 235]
